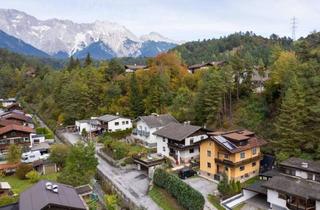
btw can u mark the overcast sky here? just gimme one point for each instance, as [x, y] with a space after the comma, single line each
[183, 19]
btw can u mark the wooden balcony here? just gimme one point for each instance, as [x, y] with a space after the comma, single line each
[228, 162]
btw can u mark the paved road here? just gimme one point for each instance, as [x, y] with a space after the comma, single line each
[133, 183]
[205, 187]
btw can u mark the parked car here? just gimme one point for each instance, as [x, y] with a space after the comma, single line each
[29, 157]
[186, 173]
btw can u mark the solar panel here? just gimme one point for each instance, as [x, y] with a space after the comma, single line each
[225, 142]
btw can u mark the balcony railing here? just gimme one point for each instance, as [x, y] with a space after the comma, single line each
[140, 132]
[223, 160]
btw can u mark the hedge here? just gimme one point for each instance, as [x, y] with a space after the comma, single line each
[186, 196]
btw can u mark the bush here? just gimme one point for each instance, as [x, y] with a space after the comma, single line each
[46, 132]
[118, 134]
[188, 197]
[33, 176]
[22, 170]
[228, 188]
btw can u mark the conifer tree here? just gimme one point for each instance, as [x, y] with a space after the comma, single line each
[289, 124]
[88, 60]
[135, 99]
[71, 64]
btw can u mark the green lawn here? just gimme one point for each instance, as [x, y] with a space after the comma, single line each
[215, 201]
[164, 199]
[19, 185]
[238, 207]
[249, 181]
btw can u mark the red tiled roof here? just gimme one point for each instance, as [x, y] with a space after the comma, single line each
[14, 127]
[17, 116]
[5, 122]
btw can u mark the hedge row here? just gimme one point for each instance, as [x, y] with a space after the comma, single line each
[188, 197]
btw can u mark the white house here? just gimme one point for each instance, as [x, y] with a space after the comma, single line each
[112, 123]
[133, 68]
[36, 139]
[147, 125]
[7, 102]
[180, 141]
[89, 125]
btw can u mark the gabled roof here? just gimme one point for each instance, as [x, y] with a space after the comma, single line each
[14, 127]
[135, 67]
[177, 131]
[294, 186]
[5, 122]
[154, 121]
[38, 197]
[16, 115]
[306, 165]
[90, 121]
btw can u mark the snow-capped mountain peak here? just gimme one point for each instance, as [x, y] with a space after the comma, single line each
[64, 36]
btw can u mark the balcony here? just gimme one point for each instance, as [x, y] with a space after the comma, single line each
[221, 159]
[300, 206]
[138, 132]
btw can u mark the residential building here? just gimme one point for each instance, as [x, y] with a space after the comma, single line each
[180, 141]
[36, 139]
[7, 102]
[294, 185]
[47, 195]
[236, 154]
[134, 68]
[18, 117]
[193, 68]
[15, 134]
[147, 125]
[90, 126]
[14, 106]
[259, 78]
[112, 123]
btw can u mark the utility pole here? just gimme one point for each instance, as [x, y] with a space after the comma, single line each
[293, 27]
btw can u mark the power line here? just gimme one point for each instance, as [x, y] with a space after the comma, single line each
[293, 27]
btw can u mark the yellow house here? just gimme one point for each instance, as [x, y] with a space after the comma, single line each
[235, 153]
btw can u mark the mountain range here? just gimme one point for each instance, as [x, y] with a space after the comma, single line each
[63, 38]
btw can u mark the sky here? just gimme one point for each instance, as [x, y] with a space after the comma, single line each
[183, 19]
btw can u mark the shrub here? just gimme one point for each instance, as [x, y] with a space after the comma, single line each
[33, 176]
[111, 201]
[118, 134]
[22, 170]
[6, 200]
[188, 197]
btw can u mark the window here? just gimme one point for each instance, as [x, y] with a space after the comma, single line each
[226, 168]
[242, 155]
[208, 165]
[164, 149]
[191, 150]
[116, 123]
[127, 122]
[254, 164]
[310, 176]
[208, 153]
[163, 139]
[226, 156]
[123, 122]
[191, 141]
[242, 168]
[254, 150]
[202, 137]
[282, 196]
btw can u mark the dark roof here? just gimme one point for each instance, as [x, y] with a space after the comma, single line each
[154, 121]
[108, 117]
[84, 189]
[294, 186]
[14, 127]
[37, 197]
[257, 187]
[270, 173]
[227, 140]
[5, 122]
[16, 115]
[200, 65]
[313, 166]
[13, 206]
[177, 131]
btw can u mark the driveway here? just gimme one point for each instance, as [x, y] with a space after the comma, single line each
[72, 138]
[134, 184]
[205, 187]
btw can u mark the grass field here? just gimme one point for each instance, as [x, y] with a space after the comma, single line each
[19, 185]
[164, 199]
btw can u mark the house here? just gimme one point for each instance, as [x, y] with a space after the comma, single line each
[5, 122]
[148, 162]
[90, 126]
[113, 123]
[7, 102]
[133, 68]
[14, 106]
[259, 78]
[5, 189]
[36, 139]
[236, 154]
[180, 141]
[15, 134]
[147, 125]
[296, 187]
[193, 68]
[47, 195]
[19, 118]
[294, 184]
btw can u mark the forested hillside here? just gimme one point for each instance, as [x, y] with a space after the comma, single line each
[287, 113]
